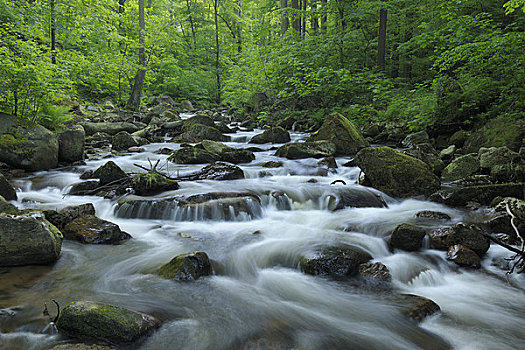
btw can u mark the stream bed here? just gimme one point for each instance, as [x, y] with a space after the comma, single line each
[258, 298]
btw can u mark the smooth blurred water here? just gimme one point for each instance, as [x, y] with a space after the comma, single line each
[258, 291]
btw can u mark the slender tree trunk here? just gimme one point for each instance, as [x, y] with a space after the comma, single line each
[296, 23]
[284, 17]
[342, 28]
[136, 91]
[381, 40]
[121, 46]
[239, 27]
[190, 17]
[324, 17]
[315, 20]
[53, 36]
[217, 51]
[304, 18]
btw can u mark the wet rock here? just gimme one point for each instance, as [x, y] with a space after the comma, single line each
[6, 207]
[64, 216]
[337, 262]
[200, 119]
[461, 168]
[88, 320]
[272, 135]
[272, 164]
[122, 141]
[463, 256]
[493, 156]
[199, 132]
[417, 307]
[98, 140]
[109, 173]
[407, 237]
[342, 133]
[461, 196]
[415, 139]
[187, 267]
[6, 189]
[353, 197]
[458, 138]
[227, 153]
[395, 173]
[89, 229]
[109, 128]
[427, 154]
[448, 153]
[314, 149]
[193, 155]
[432, 215]
[30, 148]
[71, 144]
[376, 271]
[329, 162]
[217, 171]
[150, 184]
[506, 173]
[469, 236]
[497, 132]
[135, 150]
[28, 239]
[84, 188]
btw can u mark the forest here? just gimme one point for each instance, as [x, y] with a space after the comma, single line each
[420, 63]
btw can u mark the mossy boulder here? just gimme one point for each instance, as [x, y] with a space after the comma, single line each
[109, 128]
[200, 119]
[428, 155]
[6, 189]
[199, 132]
[6, 207]
[273, 135]
[219, 171]
[482, 194]
[469, 236]
[86, 320]
[226, 153]
[89, 229]
[193, 155]
[336, 262]
[342, 133]
[187, 267]
[494, 156]
[407, 237]
[71, 144]
[31, 147]
[461, 168]
[64, 216]
[313, 149]
[109, 173]
[123, 140]
[448, 153]
[28, 239]
[507, 173]
[151, 183]
[498, 132]
[415, 139]
[395, 173]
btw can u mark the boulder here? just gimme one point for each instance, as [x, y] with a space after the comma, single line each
[6, 189]
[314, 149]
[109, 128]
[416, 307]
[337, 262]
[200, 119]
[432, 215]
[498, 132]
[376, 271]
[407, 237]
[84, 188]
[109, 172]
[342, 133]
[341, 197]
[89, 229]
[186, 106]
[29, 147]
[217, 171]
[193, 155]
[271, 164]
[6, 207]
[463, 256]
[415, 139]
[493, 156]
[227, 153]
[71, 144]
[483, 194]
[395, 173]
[428, 154]
[28, 239]
[448, 153]
[461, 168]
[150, 184]
[122, 141]
[328, 162]
[88, 320]
[64, 216]
[273, 135]
[200, 132]
[458, 138]
[187, 267]
[506, 173]
[469, 236]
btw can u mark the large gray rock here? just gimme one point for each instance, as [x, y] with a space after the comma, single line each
[272, 135]
[493, 156]
[416, 139]
[109, 173]
[337, 262]
[314, 149]
[64, 216]
[342, 133]
[469, 236]
[109, 128]
[428, 154]
[89, 229]
[6, 189]
[71, 144]
[31, 148]
[461, 168]
[86, 320]
[187, 267]
[395, 173]
[28, 239]
[122, 141]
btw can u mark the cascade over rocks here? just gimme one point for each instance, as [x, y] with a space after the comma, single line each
[342, 133]
[313, 149]
[336, 262]
[187, 267]
[87, 320]
[6, 189]
[28, 239]
[91, 230]
[273, 135]
[395, 173]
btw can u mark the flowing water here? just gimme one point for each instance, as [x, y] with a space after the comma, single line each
[258, 295]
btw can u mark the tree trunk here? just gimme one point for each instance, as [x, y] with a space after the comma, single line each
[342, 28]
[284, 17]
[239, 27]
[217, 52]
[121, 46]
[136, 91]
[315, 20]
[381, 40]
[191, 24]
[52, 30]
[296, 23]
[324, 16]
[304, 18]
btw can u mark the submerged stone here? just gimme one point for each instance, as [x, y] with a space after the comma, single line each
[187, 267]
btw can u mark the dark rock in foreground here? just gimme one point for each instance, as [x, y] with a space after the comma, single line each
[407, 237]
[91, 230]
[417, 307]
[467, 235]
[6, 189]
[109, 173]
[299, 150]
[86, 320]
[272, 135]
[64, 216]
[337, 262]
[187, 267]
[463, 256]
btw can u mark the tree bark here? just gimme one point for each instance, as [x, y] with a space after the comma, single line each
[324, 16]
[52, 30]
[315, 20]
[192, 25]
[217, 51]
[304, 18]
[381, 40]
[136, 91]
[296, 23]
[284, 17]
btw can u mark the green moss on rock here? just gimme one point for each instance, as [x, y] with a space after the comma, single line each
[461, 168]
[186, 267]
